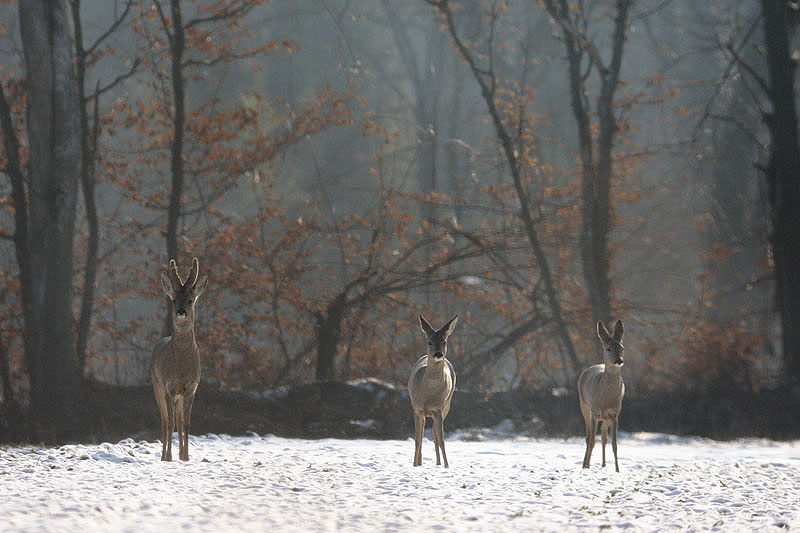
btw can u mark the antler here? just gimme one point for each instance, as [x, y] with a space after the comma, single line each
[172, 272]
[192, 279]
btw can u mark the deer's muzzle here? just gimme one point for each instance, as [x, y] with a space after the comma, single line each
[438, 356]
[181, 313]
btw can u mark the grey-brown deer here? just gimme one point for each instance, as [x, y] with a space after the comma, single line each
[431, 387]
[175, 364]
[600, 389]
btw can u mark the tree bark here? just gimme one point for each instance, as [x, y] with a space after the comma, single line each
[329, 332]
[5, 375]
[54, 171]
[783, 178]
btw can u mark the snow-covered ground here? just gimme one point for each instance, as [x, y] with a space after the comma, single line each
[269, 483]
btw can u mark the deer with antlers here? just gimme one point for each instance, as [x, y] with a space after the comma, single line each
[175, 364]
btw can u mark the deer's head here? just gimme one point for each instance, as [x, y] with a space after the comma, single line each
[437, 339]
[183, 294]
[612, 344]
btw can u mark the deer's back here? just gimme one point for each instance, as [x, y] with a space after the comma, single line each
[602, 391]
[432, 392]
[177, 369]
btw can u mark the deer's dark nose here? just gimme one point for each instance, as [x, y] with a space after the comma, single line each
[181, 313]
[438, 355]
[618, 361]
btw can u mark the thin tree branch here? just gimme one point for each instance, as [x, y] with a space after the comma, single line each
[164, 22]
[99, 91]
[111, 29]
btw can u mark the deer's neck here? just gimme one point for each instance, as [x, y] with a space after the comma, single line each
[612, 375]
[435, 371]
[183, 338]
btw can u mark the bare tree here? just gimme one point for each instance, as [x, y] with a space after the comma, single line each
[783, 172]
[45, 246]
[176, 29]
[89, 133]
[368, 277]
[487, 79]
[595, 150]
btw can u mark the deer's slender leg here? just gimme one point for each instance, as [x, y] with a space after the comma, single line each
[589, 423]
[614, 423]
[166, 430]
[435, 434]
[419, 428]
[161, 400]
[436, 441]
[604, 437]
[187, 416]
[438, 427]
[179, 422]
[170, 428]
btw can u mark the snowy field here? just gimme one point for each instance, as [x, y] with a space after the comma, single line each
[269, 483]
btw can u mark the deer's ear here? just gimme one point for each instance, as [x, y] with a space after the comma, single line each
[618, 331]
[602, 332]
[200, 287]
[425, 327]
[166, 285]
[450, 326]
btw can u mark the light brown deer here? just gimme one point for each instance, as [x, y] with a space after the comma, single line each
[601, 389]
[431, 387]
[175, 364]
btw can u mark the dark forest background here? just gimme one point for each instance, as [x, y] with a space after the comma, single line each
[340, 167]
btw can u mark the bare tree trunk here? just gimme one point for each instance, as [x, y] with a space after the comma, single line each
[783, 178]
[20, 200]
[5, 375]
[54, 171]
[177, 44]
[329, 332]
[175, 34]
[596, 174]
[88, 151]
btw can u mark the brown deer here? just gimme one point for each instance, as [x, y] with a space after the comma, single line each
[175, 364]
[600, 389]
[431, 387]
